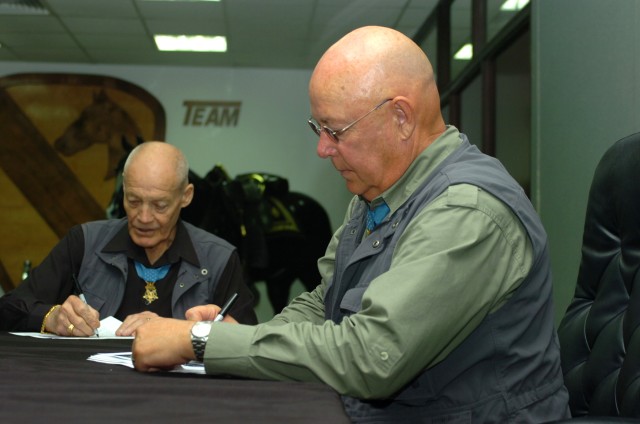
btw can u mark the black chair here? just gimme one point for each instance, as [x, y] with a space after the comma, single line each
[600, 333]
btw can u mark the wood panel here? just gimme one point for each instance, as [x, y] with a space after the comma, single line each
[35, 168]
[48, 185]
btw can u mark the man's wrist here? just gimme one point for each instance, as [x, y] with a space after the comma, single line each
[43, 328]
[199, 338]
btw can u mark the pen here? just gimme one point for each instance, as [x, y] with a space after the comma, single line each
[226, 308]
[78, 289]
[81, 296]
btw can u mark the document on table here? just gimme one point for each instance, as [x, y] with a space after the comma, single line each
[124, 358]
[107, 330]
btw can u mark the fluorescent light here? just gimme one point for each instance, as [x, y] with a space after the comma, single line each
[191, 43]
[465, 52]
[22, 8]
[513, 5]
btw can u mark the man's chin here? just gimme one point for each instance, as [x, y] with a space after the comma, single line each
[145, 244]
[354, 187]
[144, 239]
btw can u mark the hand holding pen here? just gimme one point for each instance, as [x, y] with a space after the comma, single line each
[226, 307]
[211, 312]
[156, 346]
[75, 317]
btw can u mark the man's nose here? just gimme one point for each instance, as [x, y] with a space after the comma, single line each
[326, 147]
[145, 214]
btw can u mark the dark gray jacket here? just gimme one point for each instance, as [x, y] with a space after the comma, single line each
[103, 275]
[508, 369]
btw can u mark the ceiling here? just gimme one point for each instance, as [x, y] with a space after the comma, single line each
[260, 33]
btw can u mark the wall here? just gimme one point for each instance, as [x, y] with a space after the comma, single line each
[586, 95]
[272, 134]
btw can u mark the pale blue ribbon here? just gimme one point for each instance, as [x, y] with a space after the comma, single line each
[152, 274]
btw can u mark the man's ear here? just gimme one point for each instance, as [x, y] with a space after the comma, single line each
[187, 196]
[404, 115]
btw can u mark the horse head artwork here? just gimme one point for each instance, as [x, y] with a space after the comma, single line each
[280, 234]
[103, 121]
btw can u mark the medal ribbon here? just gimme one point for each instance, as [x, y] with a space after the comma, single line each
[150, 276]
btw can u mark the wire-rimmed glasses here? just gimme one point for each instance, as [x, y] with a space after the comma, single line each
[333, 134]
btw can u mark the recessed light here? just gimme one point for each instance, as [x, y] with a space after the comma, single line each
[191, 43]
[513, 5]
[465, 52]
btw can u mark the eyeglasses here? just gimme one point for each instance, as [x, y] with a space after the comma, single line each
[333, 134]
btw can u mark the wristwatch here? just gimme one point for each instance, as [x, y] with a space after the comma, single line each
[199, 336]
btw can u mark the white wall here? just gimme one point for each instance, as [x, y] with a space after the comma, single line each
[586, 95]
[272, 134]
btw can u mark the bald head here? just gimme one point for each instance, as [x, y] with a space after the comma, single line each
[374, 59]
[367, 67]
[373, 63]
[157, 157]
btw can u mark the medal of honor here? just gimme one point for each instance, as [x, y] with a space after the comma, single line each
[150, 293]
[150, 276]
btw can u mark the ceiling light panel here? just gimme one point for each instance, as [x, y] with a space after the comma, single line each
[191, 43]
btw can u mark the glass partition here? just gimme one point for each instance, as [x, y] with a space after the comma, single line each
[461, 48]
[513, 110]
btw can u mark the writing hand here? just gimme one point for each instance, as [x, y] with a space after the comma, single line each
[73, 318]
[132, 322]
[207, 313]
[162, 344]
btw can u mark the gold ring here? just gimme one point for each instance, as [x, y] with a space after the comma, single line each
[70, 328]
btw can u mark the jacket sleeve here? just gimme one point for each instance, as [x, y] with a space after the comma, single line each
[457, 263]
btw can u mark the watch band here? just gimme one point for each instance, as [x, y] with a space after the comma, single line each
[198, 348]
[199, 337]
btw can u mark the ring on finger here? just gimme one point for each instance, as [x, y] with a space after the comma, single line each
[70, 328]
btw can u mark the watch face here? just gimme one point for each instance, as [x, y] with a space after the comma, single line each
[201, 329]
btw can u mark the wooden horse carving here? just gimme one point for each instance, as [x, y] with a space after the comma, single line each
[103, 121]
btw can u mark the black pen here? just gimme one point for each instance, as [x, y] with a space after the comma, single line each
[78, 288]
[226, 308]
[81, 296]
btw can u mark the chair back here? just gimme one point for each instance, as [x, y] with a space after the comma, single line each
[600, 332]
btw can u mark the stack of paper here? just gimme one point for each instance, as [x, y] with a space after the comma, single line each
[124, 358]
[117, 358]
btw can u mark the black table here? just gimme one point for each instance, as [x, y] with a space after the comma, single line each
[51, 381]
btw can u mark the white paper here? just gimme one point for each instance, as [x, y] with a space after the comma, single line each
[124, 358]
[107, 330]
[108, 327]
[116, 358]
